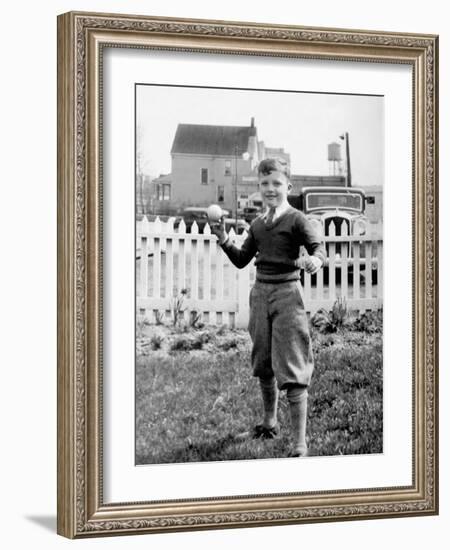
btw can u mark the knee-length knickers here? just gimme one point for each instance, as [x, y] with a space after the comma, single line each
[279, 330]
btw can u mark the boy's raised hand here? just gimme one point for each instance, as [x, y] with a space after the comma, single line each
[218, 228]
[313, 264]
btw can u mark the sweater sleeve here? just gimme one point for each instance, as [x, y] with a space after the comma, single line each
[242, 256]
[310, 239]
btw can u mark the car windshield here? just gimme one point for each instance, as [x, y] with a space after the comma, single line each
[194, 213]
[351, 201]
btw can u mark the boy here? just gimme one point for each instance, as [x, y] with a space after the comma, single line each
[282, 352]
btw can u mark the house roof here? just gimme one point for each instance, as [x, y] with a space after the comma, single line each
[202, 139]
[163, 178]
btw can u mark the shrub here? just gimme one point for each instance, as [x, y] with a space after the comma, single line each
[330, 321]
[156, 341]
[229, 343]
[188, 343]
[370, 321]
[206, 336]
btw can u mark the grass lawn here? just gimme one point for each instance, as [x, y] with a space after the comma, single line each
[195, 393]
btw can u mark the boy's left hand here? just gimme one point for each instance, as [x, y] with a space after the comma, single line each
[313, 264]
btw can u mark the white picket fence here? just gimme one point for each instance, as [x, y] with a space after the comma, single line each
[171, 263]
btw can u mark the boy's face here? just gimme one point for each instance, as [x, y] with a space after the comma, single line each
[274, 188]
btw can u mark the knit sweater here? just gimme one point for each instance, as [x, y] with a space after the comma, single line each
[276, 246]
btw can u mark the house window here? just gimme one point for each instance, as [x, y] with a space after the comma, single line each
[220, 193]
[228, 167]
[204, 176]
[163, 191]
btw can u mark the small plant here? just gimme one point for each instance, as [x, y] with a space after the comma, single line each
[140, 324]
[180, 344]
[186, 343]
[331, 321]
[206, 337]
[156, 341]
[222, 330]
[195, 318]
[229, 343]
[184, 327]
[370, 322]
[159, 317]
[339, 312]
[178, 308]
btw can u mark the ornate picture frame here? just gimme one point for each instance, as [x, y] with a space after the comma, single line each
[82, 39]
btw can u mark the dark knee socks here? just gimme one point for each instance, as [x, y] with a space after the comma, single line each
[298, 405]
[269, 391]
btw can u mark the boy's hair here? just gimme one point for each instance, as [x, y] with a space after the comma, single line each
[273, 164]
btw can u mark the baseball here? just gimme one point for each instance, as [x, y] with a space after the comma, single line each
[214, 213]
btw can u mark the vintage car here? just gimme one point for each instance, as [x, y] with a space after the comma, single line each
[343, 207]
[249, 213]
[198, 214]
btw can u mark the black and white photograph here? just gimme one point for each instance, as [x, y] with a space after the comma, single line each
[259, 274]
[247, 275]
[153, 307]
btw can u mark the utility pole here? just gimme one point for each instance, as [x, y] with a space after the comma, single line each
[236, 149]
[347, 158]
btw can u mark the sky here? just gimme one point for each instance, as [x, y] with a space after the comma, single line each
[302, 123]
